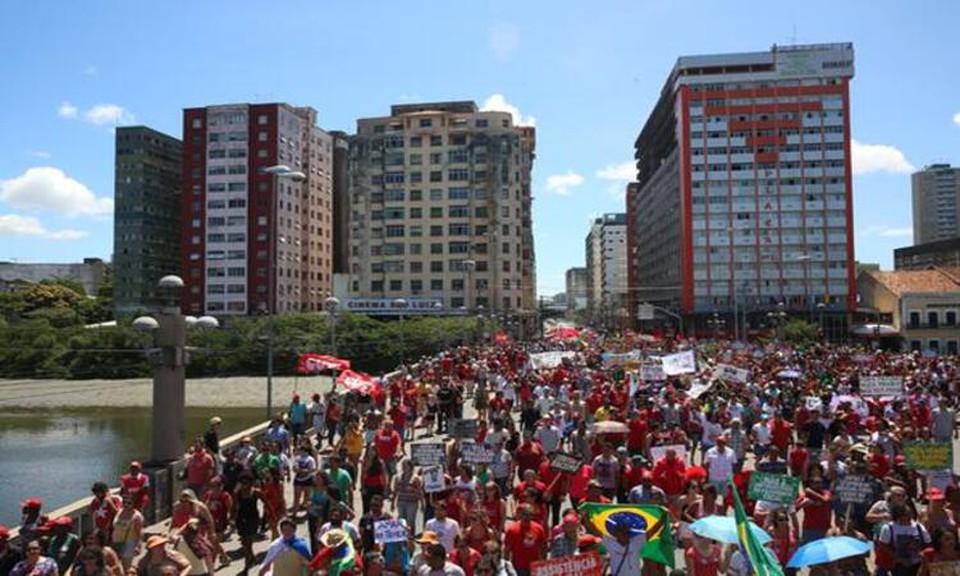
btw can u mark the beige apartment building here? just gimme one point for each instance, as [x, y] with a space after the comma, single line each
[936, 203]
[440, 212]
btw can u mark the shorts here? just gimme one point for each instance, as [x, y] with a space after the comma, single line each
[297, 428]
[306, 482]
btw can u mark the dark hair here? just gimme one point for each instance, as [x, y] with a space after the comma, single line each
[435, 550]
[898, 511]
[99, 487]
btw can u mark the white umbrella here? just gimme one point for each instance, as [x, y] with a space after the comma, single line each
[874, 330]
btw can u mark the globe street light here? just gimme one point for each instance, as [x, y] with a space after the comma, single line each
[278, 171]
[169, 358]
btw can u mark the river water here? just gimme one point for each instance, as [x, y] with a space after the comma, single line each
[58, 454]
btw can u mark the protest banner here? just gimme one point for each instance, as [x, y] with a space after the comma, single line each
[550, 359]
[658, 452]
[944, 568]
[778, 488]
[565, 463]
[854, 489]
[652, 373]
[464, 428]
[611, 359]
[578, 565]
[881, 385]
[928, 455]
[433, 454]
[433, 479]
[680, 363]
[698, 388]
[474, 453]
[731, 373]
[388, 531]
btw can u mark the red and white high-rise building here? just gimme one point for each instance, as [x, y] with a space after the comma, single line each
[235, 213]
[744, 199]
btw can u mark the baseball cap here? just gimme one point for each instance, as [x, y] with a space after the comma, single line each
[156, 540]
[31, 503]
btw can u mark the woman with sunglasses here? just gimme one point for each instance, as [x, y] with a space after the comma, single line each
[492, 562]
[35, 563]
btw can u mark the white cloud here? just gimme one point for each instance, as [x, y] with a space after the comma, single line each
[878, 158]
[886, 231]
[99, 115]
[956, 118]
[67, 110]
[503, 39]
[562, 183]
[623, 172]
[16, 225]
[48, 189]
[108, 114]
[498, 103]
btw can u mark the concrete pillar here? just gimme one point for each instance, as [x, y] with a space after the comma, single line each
[169, 387]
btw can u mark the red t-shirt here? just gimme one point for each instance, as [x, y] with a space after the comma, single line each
[529, 456]
[200, 468]
[399, 415]
[387, 443]
[817, 516]
[527, 544]
[638, 433]
[780, 435]
[798, 460]
[469, 563]
[879, 465]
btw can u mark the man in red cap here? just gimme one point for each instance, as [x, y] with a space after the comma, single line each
[567, 541]
[136, 485]
[31, 519]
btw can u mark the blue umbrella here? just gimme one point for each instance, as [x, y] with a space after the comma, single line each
[827, 550]
[724, 529]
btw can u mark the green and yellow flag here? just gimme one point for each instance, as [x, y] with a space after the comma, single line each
[659, 547]
[762, 561]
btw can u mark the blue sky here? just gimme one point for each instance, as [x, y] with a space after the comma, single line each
[587, 74]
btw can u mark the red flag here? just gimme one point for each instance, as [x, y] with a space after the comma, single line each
[357, 382]
[310, 363]
[501, 338]
[561, 333]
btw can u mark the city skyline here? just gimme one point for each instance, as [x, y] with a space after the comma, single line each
[586, 81]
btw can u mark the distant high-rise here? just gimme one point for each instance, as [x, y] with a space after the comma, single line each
[936, 203]
[252, 238]
[146, 223]
[576, 285]
[440, 211]
[606, 255]
[744, 194]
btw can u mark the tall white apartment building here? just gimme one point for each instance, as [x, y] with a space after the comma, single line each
[606, 251]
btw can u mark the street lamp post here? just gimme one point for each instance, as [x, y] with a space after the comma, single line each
[469, 266]
[820, 308]
[169, 359]
[278, 171]
[778, 319]
[331, 305]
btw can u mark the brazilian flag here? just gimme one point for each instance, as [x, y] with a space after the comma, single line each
[659, 548]
[762, 561]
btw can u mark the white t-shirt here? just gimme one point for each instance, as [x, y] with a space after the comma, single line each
[548, 437]
[761, 432]
[446, 530]
[721, 463]
[628, 555]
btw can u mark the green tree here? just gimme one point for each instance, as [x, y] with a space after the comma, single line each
[800, 331]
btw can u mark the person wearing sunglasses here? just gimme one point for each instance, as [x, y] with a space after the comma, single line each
[35, 563]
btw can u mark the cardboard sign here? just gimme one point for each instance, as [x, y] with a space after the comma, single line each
[652, 373]
[473, 453]
[565, 463]
[928, 455]
[881, 385]
[387, 531]
[611, 359]
[464, 428]
[578, 565]
[433, 454]
[433, 480]
[680, 363]
[854, 489]
[658, 452]
[944, 568]
[778, 488]
[732, 373]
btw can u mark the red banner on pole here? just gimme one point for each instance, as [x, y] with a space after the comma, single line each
[310, 363]
[357, 382]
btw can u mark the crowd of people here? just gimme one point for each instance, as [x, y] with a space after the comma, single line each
[680, 442]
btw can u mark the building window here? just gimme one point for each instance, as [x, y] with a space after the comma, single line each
[436, 140]
[436, 195]
[436, 284]
[914, 322]
[950, 318]
[416, 195]
[416, 141]
[436, 266]
[933, 319]
[396, 285]
[417, 286]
